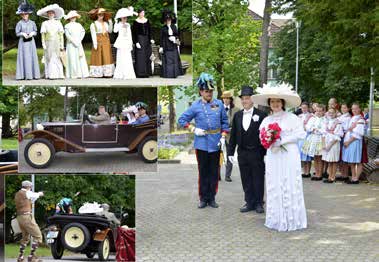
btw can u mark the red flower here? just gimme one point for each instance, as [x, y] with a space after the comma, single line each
[270, 135]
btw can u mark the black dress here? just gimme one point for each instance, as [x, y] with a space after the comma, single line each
[171, 64]
[142, 35]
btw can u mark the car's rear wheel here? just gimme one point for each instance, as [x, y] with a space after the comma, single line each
[90, 254]
[39, 153]
[104, 249]
[148, 150]
[75, 237]
[57, 249]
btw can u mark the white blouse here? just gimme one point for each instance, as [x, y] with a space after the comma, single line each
[358, 131]
[100, 28]
[315, 125]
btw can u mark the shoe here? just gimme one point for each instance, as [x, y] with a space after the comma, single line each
[259, 209]
[329, 181]
[342, 178]
[304, 175]
[20, 259]
[202, 204]
[315, 178]
[325, 175]
[213, 204]
[351, 182]
[228, 179]
[246, 208]
[34, 258]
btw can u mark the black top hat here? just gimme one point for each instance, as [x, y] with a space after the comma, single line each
[168, 14]
[247, 91]
[24, 8]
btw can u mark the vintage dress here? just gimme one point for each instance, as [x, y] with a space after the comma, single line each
[142, 35]
[353, 153]
[124, 44]
[27, 59]
[313, 143]
[332, 131]
[52, 41]
[76, 60]
[305, 117]
[101, 57]
[171, 63]
[285, 209]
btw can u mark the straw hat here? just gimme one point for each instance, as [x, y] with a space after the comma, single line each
[59, 12]
[25, 8]
[227, 94]
[281, 91]
[125, 12]
[71, 14]
[94, 12]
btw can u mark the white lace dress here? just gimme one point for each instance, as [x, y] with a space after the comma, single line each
[285, 208]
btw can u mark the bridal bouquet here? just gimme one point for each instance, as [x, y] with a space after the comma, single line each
[270, 135]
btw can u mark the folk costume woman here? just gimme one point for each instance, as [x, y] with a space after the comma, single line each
[169, 40]
[124, 44]
[52, 40]
[306, 160]
[285, 208]
[142, 39]
[101, 54]
[27, 59]
[76, 60]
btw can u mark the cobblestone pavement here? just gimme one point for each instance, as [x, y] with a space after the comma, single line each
[343, 222]
[115, 162]
[68, 258]
[103, 82]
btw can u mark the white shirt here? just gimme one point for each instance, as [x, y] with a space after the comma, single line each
[33, 196]
[246, 119]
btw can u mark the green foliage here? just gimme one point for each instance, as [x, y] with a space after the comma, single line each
[8, 100]
[168, 153]
[225, 43]
[9, 144]
[116, 190]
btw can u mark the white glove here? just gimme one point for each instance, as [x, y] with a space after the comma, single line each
[231, 159]
[152, 41]
[95, 47]
[161, 50]
[222, 141]
[138, 46]
[32, 34]
[199, 132]
[277, 143]
[90, 116]
[44, 46]
[41, 193]
[25, 35]
[172, 39]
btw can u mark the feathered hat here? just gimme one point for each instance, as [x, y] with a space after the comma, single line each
[205, 82]
[168, 14]
[24, 8]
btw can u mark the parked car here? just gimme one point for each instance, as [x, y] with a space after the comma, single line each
[82, 136]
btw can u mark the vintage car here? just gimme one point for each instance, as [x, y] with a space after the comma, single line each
[82, 136]
[81, 233]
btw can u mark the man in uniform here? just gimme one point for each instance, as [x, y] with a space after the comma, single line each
[211, 128]
[245, 134]
[142, 116]
[64, 206]
[24, 199]
[230, 109]
[102, 118]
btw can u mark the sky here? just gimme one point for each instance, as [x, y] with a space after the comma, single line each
[258, 5]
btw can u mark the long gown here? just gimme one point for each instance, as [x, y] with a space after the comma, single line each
[124, 44]
[52, 38]
[171, 63]
[27, 58]
[76, 60]
[285, 208]
[142, 35]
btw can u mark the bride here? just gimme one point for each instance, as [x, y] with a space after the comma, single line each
[285, 209]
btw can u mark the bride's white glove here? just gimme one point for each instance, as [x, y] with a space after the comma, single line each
[277, 143]
[199, 132]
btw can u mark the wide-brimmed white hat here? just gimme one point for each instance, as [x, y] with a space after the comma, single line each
[124, 12]
[59, 12]
[282, 91]
[71, 14]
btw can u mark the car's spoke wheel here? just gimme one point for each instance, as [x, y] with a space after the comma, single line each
[104, 249]
[39, 153]
[148, 150]
[75, 237]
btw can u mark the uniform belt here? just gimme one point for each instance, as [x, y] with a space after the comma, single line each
[212, 132]
[23, 213]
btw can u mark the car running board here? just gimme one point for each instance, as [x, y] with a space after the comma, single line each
[115, 149]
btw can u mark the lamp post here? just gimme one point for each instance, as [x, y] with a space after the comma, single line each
[371, 102]
[176, 12]
[298, 24]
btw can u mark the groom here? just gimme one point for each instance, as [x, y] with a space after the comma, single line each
[245, 134]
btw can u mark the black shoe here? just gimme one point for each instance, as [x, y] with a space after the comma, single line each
[228, 179]
[259, 209]
[213, 204]
[342, 178]
[246, 208]
[325, 175]
[202, 204]
[329, 181]
[351, 182]
[304, 175]
[315, 178]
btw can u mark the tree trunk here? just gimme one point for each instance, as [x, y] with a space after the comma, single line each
[265, 44]
[171, 107]
[6, 126]
[65, 106]
[220, 83]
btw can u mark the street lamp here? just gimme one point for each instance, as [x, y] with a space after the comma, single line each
[298, 24]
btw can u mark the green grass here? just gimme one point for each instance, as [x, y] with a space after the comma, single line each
[187, 58]
[9, 143]
[12, 251]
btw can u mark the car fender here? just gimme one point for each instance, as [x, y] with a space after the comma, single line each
[100, 235]
[140, 137]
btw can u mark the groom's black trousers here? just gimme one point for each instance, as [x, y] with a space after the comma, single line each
[252, 169]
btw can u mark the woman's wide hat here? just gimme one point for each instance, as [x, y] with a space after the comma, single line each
[95, 12]
[58, 11]
[125, 12]
[227, 94]
[168, 14]
[281, 91]
[71, 14]
[25, 8]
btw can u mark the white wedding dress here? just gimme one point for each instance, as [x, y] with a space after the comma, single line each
[285, 208]
[124, 44]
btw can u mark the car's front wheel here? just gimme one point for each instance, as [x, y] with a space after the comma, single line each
[148, 150]
[75, 237]
[104, 249]
[39, 153]
[57, 249]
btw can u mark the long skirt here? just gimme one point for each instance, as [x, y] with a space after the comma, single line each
[101, 58]
[171, 64]
[142, 66]
[124, 66]
[27, 60]
[53, 63]
[76, 62]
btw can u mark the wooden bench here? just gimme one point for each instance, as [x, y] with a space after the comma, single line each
[371, 169]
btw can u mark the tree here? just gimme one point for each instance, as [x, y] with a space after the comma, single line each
[265, 44]
[8, 108]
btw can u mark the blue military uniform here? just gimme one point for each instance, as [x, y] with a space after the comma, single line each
[211, 117]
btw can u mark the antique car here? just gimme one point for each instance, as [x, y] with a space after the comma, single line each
[81, 233]
[83, 136]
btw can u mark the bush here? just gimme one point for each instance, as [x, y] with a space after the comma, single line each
[167, 153]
